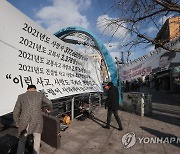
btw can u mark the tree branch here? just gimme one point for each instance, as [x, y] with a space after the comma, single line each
[168, 5]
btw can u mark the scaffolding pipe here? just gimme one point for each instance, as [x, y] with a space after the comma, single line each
[100, 99]
[72, 109]
[89, 103]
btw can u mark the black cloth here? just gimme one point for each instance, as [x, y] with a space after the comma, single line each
[113, 98]
[8, 144]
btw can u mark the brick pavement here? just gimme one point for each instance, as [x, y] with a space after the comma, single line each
[88, 137]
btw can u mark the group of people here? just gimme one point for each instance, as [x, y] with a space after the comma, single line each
[28, 116]
[132, 86]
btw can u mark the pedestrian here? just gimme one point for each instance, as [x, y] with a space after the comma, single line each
[112, 104]
[28, 117]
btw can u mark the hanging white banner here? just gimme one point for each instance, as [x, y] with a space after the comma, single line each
[156, 61]
[31, 55]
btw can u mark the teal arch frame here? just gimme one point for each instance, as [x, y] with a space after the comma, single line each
[103, 51]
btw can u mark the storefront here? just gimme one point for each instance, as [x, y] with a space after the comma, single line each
[162, 80]
[175, 80]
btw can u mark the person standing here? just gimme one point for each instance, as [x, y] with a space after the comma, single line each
[112, 104]
[28, 117]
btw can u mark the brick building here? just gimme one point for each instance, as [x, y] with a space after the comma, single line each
[169, 31]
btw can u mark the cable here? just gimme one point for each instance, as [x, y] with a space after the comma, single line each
[101, 7]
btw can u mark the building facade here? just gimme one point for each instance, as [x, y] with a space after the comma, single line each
[168, 80]
[169, 31]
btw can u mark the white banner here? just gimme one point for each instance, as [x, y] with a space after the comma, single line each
[31, 55]
[156, 61]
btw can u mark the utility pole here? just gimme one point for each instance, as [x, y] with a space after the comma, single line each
[119, 85]
[122, 57]
[129, 53]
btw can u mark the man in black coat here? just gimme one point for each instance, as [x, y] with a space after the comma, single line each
[112, 104]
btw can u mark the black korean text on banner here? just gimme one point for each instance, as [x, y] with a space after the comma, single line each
[30, 55]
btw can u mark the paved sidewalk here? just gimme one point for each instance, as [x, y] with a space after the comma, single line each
[88, 136]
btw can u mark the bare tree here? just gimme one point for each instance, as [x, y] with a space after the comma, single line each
[136, 16]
